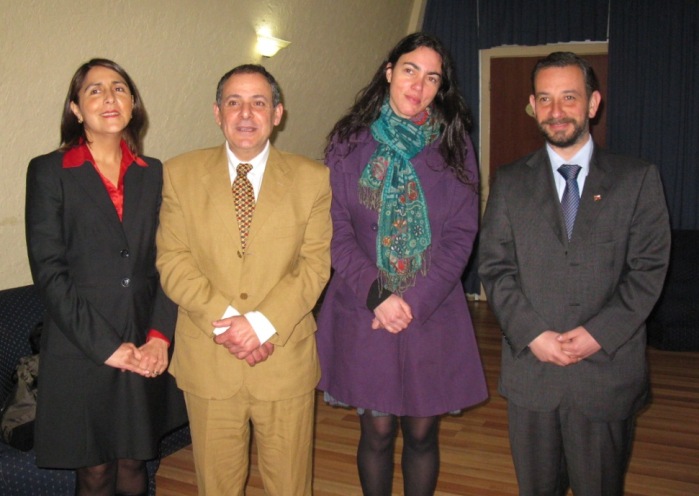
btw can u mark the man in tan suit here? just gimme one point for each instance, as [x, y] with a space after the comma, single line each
[245, 339]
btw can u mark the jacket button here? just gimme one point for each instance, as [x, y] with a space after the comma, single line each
[240, 255]
[124, 253]
[125, 282]
[243, 296]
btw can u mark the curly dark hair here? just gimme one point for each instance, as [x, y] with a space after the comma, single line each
[72, 131]
[449, 106]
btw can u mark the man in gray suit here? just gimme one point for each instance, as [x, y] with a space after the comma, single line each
[571, 278]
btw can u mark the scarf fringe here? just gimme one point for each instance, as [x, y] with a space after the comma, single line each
[400, 283]
[370, 197]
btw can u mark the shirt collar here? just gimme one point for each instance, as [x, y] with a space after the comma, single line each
[258, 163]
[78, 155]
[582, 158]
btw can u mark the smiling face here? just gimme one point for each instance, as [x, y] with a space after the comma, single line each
[562, 108]
[414, 81]
[247, 114]
[105, 103]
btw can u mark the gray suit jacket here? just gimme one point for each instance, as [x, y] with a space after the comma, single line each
[606, 278]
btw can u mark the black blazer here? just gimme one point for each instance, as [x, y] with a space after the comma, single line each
[606, 279]
[94, 271]
[97, 277]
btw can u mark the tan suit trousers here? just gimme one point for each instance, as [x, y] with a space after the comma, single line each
[283, 433]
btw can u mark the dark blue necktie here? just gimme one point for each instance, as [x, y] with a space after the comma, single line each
[571, 195]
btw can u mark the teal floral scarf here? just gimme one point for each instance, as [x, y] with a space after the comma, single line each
[390, 186]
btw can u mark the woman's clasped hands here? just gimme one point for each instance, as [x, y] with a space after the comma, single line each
[393, 314]
[149, 360]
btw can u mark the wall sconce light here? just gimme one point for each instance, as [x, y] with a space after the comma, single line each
[268, 46]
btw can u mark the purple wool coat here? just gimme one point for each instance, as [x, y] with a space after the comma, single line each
[433, 366]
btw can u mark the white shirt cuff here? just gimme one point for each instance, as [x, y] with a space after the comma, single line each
[230, 312]
[260, 324]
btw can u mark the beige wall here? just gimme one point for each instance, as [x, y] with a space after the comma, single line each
[176, 50]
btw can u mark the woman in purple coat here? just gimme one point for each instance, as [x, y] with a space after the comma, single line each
[395, 335]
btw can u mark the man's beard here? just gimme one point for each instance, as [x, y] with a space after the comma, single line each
[560, 139]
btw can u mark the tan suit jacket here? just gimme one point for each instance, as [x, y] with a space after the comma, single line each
[282, 273]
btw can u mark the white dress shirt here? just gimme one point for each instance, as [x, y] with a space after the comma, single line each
[260, 324]
[582, 158]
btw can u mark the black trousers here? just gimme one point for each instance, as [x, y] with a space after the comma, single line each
[563, 448]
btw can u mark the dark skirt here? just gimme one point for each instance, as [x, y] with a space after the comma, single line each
[89, 414]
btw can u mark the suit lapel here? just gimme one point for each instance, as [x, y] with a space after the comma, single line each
[276, 183]
[543, 191]
[90, 182]
[597, 185]
[217, 183]
[133, 192]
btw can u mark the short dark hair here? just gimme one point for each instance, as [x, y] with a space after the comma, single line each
[72, 131]
[449, 106]
[565, 59]
[250, 69]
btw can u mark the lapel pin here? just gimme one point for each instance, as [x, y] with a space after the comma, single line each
[597, 197]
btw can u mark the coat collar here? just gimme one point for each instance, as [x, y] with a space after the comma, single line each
[541, 186]
[276, 184]
[79, 155]
[216, 180]
[594, 194]
[79, 164]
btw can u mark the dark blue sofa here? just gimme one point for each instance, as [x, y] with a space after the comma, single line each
[20, 310]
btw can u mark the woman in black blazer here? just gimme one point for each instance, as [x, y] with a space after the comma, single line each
[91, 216]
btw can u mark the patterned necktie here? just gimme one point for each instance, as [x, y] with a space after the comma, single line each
[571, 195]
[244, 197]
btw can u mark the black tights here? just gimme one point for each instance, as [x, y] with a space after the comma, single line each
[419, 461]
[119, 477]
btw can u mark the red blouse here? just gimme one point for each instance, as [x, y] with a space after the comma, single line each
[75, 157]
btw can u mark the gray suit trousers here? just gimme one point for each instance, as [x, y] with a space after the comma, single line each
[562, 448]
